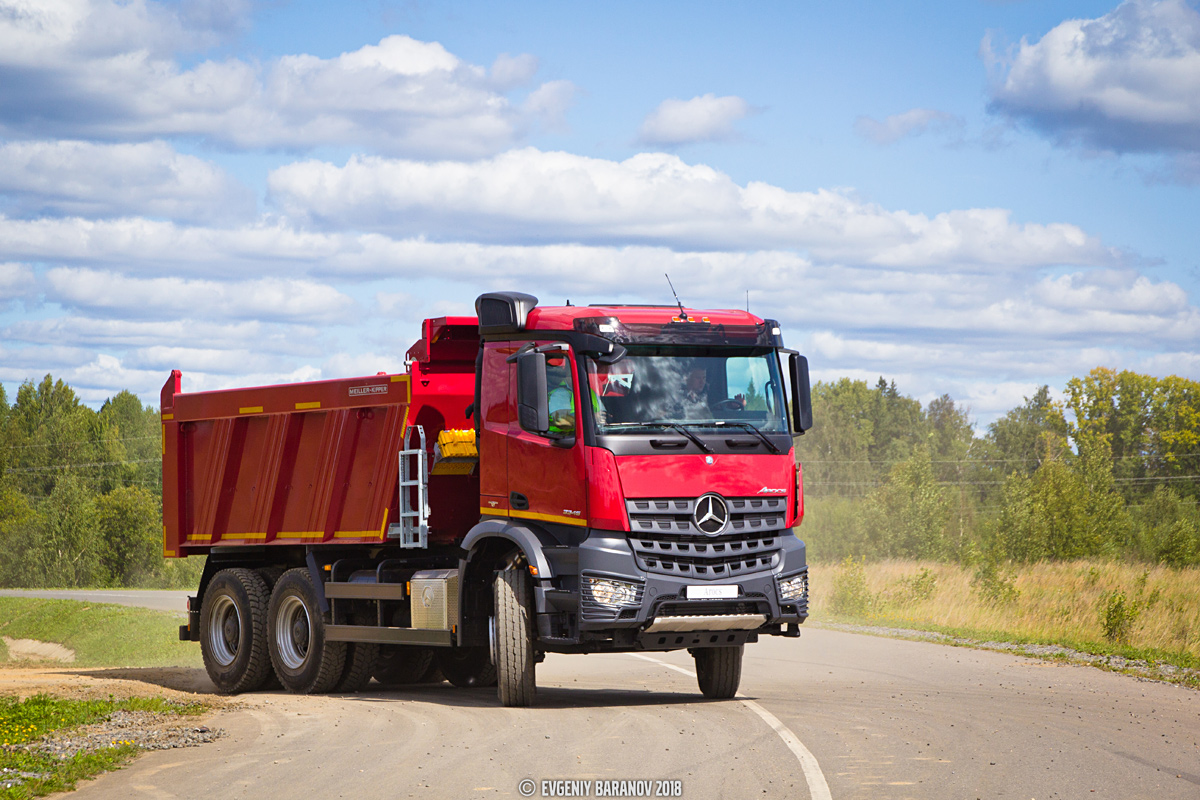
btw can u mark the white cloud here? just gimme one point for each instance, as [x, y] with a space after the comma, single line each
[107, 70]
[345, 365]
[706, 118]
[15, 282]
[909, 123]
[1127, 81]
[89, 179]
[277, 299]
[108, 334]
[37, 31]
[656, 198]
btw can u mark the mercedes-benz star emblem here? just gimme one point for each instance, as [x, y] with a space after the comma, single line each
[711, 515]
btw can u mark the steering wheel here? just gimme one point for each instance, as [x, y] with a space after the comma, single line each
[732, 404]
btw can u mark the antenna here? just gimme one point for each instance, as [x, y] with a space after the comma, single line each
[747, 301]
[682, 314]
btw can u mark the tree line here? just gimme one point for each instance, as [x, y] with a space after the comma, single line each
[81, 492]
[1111, 470]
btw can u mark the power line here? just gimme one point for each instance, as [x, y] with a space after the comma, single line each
[78, 444]
[87, 464]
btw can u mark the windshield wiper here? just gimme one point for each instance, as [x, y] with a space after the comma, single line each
[675, 426]
[746, 426]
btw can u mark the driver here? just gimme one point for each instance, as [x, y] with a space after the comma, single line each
[694, 401]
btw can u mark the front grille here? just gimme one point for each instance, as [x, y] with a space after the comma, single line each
[665, 539]
[752, 603]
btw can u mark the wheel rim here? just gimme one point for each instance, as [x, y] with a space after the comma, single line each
[224, 630]
[293, 632]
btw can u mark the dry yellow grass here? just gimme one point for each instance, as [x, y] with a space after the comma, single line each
[1063, 602]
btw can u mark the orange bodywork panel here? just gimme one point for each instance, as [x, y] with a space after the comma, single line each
[299, 463]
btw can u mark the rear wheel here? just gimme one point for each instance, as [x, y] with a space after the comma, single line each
[233, 631]
[400, 664]
[718, 671]
[466, 667]
[304, 661]
[513, 636]
[360, 663]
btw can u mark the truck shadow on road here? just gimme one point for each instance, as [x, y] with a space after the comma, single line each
[196, 681]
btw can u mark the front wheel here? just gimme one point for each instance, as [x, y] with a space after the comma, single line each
[304, 661]
[718, 671]
[514, 651]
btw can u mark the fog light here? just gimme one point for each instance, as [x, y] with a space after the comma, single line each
[794, 587]
[608, 592]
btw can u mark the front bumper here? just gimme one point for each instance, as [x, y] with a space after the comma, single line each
[660, 615]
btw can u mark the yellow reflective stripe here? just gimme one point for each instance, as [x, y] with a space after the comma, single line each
[250, 410]
[302, 406]
[508, 512]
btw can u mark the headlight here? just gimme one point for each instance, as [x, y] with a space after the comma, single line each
[608, 592]
[794, 588]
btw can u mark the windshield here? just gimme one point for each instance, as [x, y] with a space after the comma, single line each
[694, 387]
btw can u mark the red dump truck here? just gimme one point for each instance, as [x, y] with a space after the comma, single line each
[540, 480]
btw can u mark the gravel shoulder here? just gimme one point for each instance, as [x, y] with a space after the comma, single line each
[1135, 667]
[145, 730]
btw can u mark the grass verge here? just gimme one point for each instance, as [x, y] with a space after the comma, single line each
[102, 635]
[1117, 616]
[27, 771]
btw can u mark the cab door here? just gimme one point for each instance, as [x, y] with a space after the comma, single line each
[546, 475]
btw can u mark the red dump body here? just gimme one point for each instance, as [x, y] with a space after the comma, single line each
[316, 462]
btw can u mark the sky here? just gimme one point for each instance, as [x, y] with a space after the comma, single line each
[968, 198]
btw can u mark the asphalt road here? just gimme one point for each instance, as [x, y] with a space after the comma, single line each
[879, 718]
[143, 598]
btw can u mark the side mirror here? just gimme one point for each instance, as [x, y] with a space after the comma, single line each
[533, 408]
[801, 393]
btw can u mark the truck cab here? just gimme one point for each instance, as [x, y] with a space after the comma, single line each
[645, 455]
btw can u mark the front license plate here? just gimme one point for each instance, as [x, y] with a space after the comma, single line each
[712, 592]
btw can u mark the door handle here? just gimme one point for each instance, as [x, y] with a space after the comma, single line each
[518, 501]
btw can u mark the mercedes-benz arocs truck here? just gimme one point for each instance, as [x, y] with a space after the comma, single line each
[539, 480]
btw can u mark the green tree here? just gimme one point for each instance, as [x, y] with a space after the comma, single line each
[69, 550]
[135, 440]
[129, 520]
[909, 516]
[1019, 436]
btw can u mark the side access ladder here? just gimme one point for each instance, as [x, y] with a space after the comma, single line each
[412, 529]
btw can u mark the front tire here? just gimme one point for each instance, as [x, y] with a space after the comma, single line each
[233, 631]
[304, 661]
[718, 671]
[515, 652]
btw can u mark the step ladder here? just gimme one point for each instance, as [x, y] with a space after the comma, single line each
[412, 529]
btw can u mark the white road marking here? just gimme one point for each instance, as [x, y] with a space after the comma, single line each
[818, 789]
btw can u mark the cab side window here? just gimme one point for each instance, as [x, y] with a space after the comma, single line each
[560, 388]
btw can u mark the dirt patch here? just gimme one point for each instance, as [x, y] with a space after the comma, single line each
[180, 684]
[33, 650]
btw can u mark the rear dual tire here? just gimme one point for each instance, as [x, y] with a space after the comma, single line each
[233, 631]
[304, 660]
